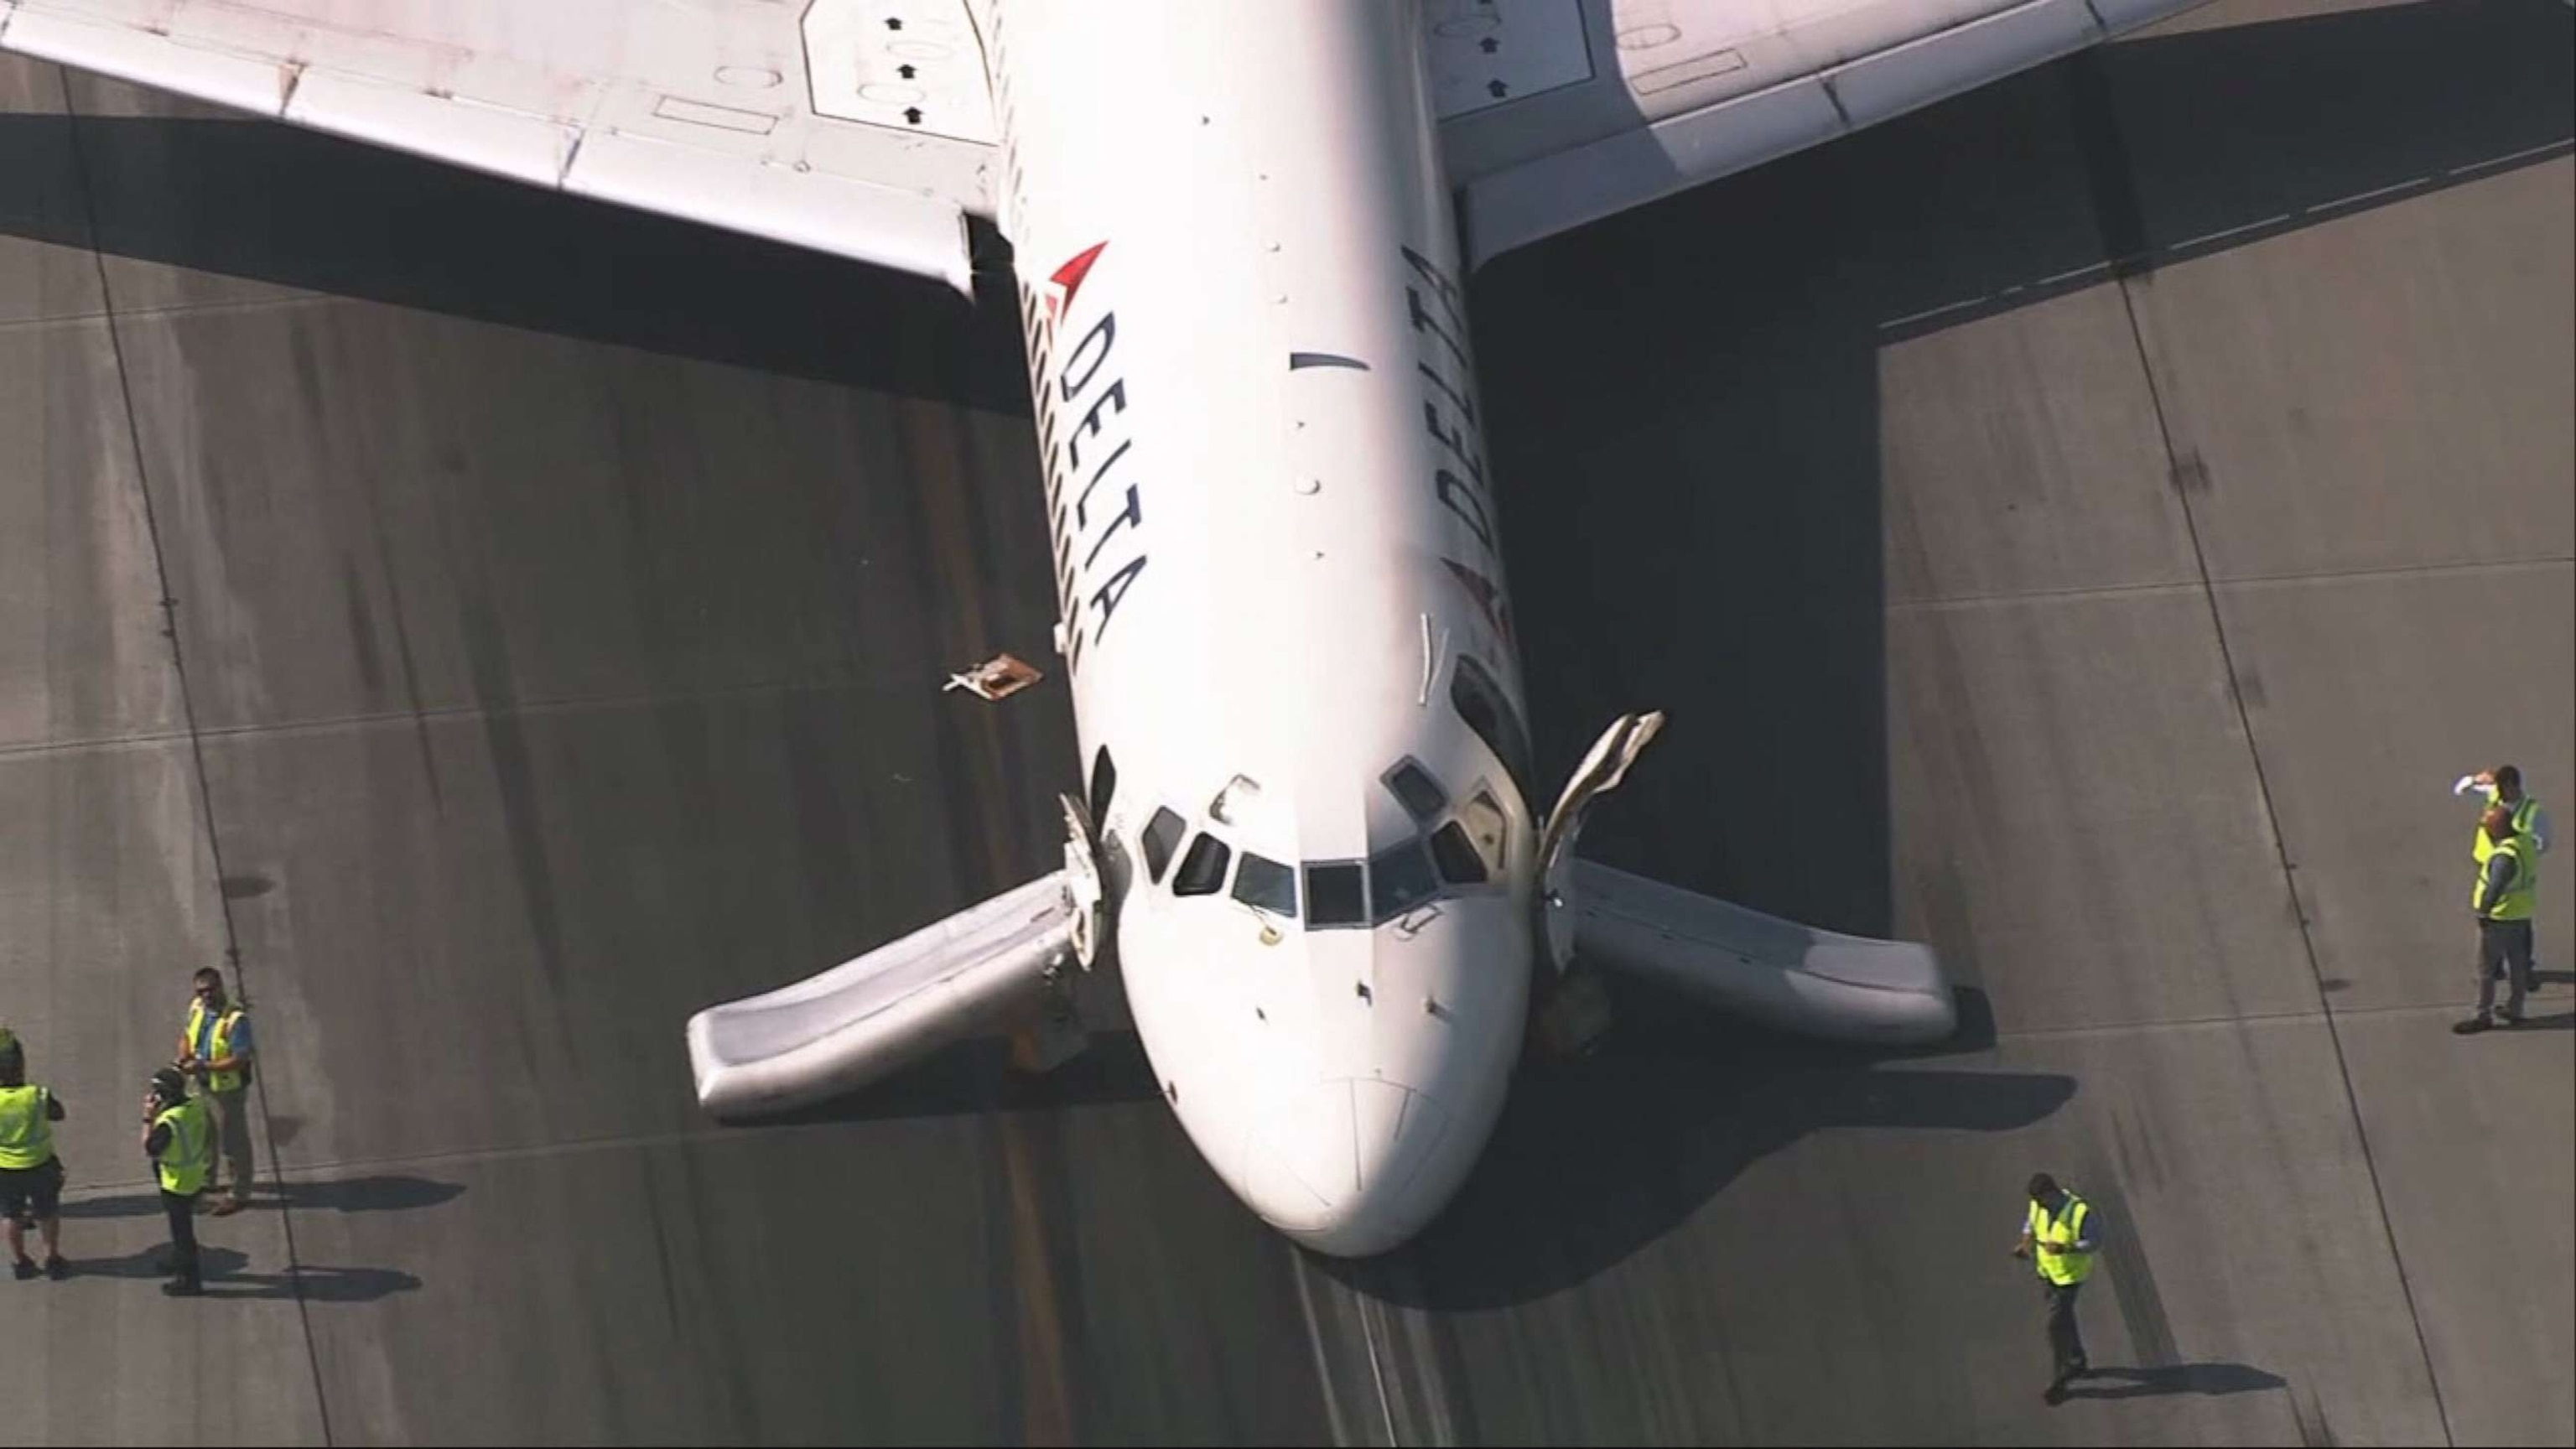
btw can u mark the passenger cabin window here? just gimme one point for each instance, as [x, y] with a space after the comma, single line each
[1403, 879]
[1265, 884]
[1414, 786]
[1481, 702]
[1162, 837]
[1458, 861]
[1336, 895]
[1202, 871]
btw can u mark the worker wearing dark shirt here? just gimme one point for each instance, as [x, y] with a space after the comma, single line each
[179, 1137]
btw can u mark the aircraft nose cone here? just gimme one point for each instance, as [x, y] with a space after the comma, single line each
[1338, 1166]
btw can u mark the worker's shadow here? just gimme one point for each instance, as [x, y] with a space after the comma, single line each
[2182, 1378]
[384, 1193]
[2556, 1020]
[224, 1275]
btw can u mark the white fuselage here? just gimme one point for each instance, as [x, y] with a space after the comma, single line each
[1276, 554]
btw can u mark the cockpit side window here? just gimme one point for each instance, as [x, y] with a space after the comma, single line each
[1336, 894]
[1104, 786]
[1488, 711]
[1412, 784]
[1202, 871]
[1458, 861]
[1265, 884]
[1485, 824]
[1402, 879]
[1162, 836]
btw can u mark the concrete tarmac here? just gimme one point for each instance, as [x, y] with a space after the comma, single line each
[2086, 525]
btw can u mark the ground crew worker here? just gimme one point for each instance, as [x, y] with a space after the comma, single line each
[2063, 1229]
[215, 1048]
[31, 1175]
[2503, 786]
[180, 1139]
[2507, 888]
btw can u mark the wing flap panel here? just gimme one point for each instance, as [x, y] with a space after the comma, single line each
[486, 138]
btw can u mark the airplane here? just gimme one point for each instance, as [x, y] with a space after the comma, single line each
[1308, 837]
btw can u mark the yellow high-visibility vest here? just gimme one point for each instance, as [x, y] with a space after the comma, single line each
[26, 1128]
[2054, 1241]
[2523, 810]
[220, 1047]
[2516, 900]
[191, 1153]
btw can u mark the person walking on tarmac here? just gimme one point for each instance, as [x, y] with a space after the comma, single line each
[31, 1175]
[2063, 1230]
[2507, 888]
[180, 1140]
[215, 1048]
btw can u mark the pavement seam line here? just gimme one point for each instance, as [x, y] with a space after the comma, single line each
[2281, 851]
[2120, 217]
[343, 1168]
[169, 606]
[1933, 603]
[760, 689]
[165, 311]
[1377, 1369]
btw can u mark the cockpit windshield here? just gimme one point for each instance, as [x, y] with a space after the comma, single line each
[1456, 847]
[1202, 871]
[1264, 884]
[1400, 878]
[1336, 894]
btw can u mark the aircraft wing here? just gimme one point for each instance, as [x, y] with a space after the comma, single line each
[1554, 113]
[858, 127]
[866, 128]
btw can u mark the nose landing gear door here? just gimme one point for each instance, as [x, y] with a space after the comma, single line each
[1601, 772]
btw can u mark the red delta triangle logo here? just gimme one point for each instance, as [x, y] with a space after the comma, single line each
[1488, 599]
[1067, 280]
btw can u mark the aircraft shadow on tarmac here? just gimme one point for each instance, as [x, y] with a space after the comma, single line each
[1735, 485]
[1556, 1198]
[1754, 519]
[1598, 1157]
